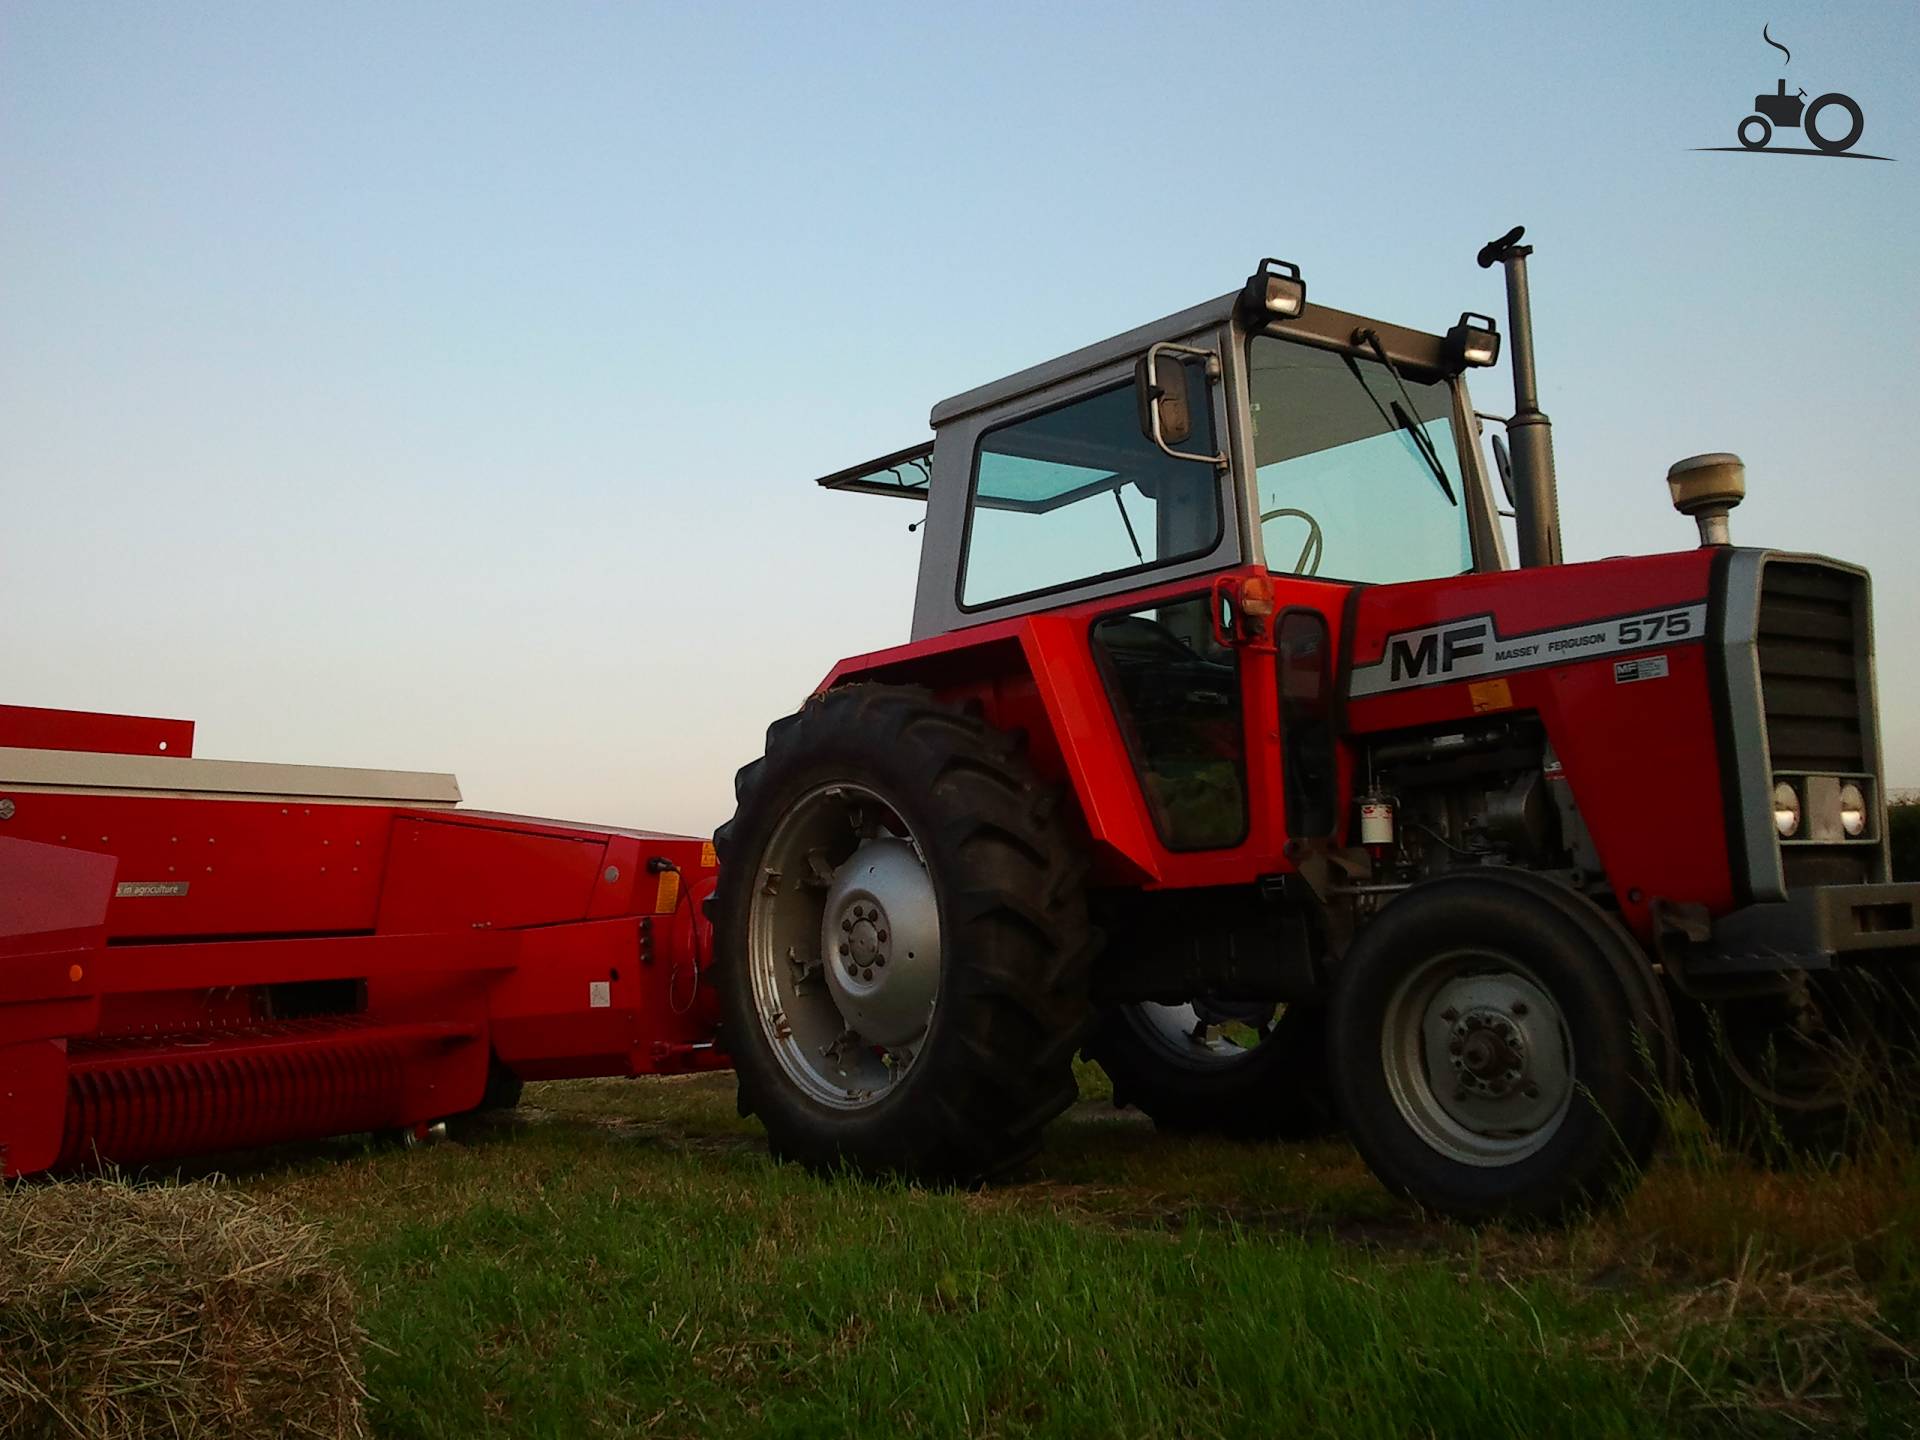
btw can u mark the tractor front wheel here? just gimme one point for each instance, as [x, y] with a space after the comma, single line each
[901, 939]
[1495, 1044]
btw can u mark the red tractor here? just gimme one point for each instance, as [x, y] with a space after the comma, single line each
[1231, 747]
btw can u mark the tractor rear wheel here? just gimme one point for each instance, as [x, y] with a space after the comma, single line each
[901, 939]
[1496, 1043]
[1212, 1069]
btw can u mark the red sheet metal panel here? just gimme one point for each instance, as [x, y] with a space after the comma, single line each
[458, 875]
[1038, 673]
[221, 867]
[1635, 756]
[571, 1006]
[51, 898]
[29, 727]
[52, 906]
[615, 997]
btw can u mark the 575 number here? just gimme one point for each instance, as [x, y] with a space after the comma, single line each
[1645, 629]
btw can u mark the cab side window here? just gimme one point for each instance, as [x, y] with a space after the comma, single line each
[1077, 493]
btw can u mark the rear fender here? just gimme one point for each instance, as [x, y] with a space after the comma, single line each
[1036, 674]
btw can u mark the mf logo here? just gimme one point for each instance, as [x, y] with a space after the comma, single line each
[1471, 646]
[1832, 122]
[1437, 651]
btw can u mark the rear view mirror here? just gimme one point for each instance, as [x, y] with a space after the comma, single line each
[1166, 409]
[1171, 384]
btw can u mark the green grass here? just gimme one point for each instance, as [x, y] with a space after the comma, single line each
[623, 1259]
[626, 1260]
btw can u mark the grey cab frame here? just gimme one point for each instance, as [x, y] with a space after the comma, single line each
[1217, 326]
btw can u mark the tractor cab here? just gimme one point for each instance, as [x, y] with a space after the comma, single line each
[1318, 444]
[1135, 487]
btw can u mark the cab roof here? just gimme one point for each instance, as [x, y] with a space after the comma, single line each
[905, 472]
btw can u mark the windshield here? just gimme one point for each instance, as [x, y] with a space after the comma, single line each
[1347, 488]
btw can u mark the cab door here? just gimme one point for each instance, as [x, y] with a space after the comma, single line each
[1059, 507]
[1177, 680]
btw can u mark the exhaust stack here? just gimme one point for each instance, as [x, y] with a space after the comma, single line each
[1536, 501]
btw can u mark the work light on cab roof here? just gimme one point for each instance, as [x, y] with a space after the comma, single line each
[1276, 290]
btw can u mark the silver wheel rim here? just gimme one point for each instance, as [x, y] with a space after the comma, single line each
[1201, 1036]
[1478, 1057]
[844, 947]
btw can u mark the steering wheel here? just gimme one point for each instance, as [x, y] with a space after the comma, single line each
[1310, 553]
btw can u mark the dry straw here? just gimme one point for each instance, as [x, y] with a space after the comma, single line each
[178, 1310]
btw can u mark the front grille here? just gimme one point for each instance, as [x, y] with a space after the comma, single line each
[1810, 668]
[1816, 699]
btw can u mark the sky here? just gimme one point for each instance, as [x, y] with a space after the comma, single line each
[440, 386]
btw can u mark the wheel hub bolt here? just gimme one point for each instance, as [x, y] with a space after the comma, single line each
[866, 974]
[845, 947]
[846, 922]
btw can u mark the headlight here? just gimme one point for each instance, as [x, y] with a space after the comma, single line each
[1853, 811]
[1786, 810]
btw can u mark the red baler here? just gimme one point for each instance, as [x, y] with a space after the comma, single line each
[201, 955]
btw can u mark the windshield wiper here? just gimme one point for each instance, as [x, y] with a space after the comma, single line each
[1402, 418]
